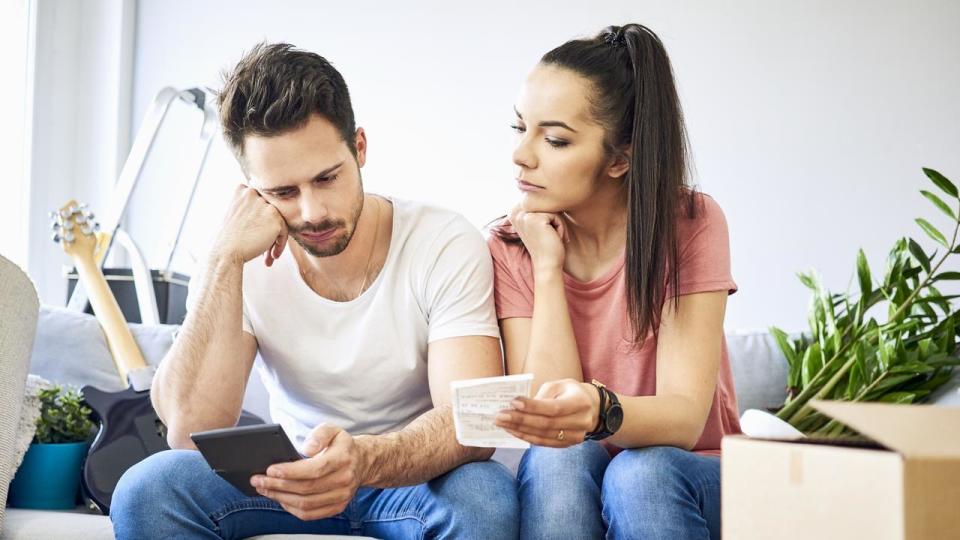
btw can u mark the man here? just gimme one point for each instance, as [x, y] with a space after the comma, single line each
[361, 322]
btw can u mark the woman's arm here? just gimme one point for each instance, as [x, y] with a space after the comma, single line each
[543, 344]
[688, 358]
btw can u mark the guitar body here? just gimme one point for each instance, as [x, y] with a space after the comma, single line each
[130, 431]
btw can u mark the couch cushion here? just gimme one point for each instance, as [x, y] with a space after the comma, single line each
[759, 369]
[45, 524]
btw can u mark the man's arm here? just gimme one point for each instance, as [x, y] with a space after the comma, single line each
[428, 447]
[322, 485]
[200, 382]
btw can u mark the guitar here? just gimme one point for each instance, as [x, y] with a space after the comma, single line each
[130, 429]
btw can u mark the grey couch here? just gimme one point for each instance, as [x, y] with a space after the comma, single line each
[69, 347]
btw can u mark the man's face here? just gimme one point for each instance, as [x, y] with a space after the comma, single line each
[311, 177]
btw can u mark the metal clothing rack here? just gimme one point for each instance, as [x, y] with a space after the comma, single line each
[127, 183]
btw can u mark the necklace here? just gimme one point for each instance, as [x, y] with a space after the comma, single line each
[373, 247]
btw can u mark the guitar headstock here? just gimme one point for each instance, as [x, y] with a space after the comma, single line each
[75, 230]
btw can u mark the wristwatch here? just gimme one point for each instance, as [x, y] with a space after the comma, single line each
[611, 413]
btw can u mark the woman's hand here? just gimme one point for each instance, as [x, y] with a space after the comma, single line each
[560, 415]
[543, 235]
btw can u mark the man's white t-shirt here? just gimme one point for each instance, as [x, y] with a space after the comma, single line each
[362, 364]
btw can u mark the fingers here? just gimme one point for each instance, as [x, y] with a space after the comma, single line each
[531, 423]
[553, 407]
[319, 438]
[338, 479]
[550, 439]
[325, 460]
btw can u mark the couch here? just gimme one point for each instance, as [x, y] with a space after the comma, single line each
[68, 347]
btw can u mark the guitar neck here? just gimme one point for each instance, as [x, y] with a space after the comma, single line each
[126, 353]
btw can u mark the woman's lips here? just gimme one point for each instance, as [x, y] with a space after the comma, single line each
[523, 185]
[319, 237]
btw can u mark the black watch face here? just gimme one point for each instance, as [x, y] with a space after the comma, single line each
[614, 418]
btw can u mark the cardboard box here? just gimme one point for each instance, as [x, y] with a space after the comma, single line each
[909, 489]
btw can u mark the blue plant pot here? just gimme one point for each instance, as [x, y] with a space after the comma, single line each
[49, 476]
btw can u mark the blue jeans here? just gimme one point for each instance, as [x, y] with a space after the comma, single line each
[175, 494]
[657, 492]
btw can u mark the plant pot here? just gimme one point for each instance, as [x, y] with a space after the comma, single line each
[49, 476]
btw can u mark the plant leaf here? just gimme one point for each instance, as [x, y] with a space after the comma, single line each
[899, 397]
[807, 280]
[952, 276]
[938, 202]
[941, 181]
[863, 274]
[920, 255]
[932, 232]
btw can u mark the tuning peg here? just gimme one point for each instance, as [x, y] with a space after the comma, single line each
[96, 227]
[69, 237]
[53, 214]
[90, 216]
[80, 218]
[56, 237]
[54, 225]
[86, 230]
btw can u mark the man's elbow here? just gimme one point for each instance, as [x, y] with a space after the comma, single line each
[477, 453]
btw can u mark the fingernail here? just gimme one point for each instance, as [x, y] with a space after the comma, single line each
[517, 404]
[502, 417]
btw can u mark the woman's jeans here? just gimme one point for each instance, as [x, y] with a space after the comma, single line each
[175, 494]
[580, 492]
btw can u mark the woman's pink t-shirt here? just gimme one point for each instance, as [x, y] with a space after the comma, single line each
[598, 311]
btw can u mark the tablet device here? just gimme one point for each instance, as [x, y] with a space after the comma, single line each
[238, 453]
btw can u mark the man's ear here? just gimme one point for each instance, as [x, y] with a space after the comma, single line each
[619, 164]
[360, 140]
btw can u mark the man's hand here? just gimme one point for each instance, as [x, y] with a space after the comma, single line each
[560, 415]
[321, 485]
[252, 226]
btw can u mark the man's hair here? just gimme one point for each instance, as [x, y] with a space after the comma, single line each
[276, 88]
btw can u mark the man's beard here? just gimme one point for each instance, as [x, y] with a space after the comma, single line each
[340, 243]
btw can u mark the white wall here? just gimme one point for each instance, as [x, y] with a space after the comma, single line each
[14, 47]
[79, 97]
[810, 121]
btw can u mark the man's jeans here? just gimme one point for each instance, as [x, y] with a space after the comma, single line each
[657, 492]
[175, 494]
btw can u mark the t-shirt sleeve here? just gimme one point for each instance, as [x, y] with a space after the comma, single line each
[513, 297]
[193, 297]
[459, 284]
[704, 252]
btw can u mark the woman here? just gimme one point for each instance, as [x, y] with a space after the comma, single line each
[612, 269]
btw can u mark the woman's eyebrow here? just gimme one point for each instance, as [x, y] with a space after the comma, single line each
[547, 123]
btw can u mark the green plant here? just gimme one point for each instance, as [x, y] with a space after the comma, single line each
[848, 355]
[63, 417]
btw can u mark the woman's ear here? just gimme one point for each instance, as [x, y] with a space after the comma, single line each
[619, 164]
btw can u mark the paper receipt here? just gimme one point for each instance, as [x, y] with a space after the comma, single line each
[477, 401]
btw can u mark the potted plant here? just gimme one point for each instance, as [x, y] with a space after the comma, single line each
[49, 476]
[894, 340]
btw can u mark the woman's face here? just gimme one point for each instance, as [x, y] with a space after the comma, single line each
[559, 154]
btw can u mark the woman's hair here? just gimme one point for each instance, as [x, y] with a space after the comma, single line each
[634, 98]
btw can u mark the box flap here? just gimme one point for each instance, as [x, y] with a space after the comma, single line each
[916, 431]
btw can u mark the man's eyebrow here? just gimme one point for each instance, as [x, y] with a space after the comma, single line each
[547, 123]
[319, 176]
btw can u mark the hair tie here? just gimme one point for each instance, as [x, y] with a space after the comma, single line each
[614, 38]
